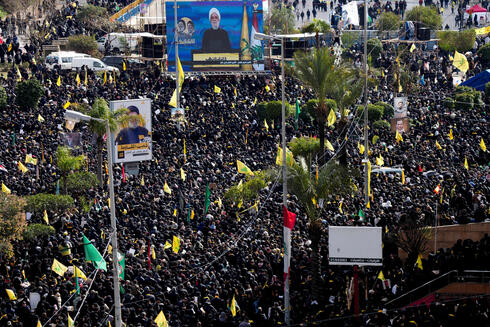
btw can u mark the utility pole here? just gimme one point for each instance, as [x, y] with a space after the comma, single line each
[176, 40]
[366, 134]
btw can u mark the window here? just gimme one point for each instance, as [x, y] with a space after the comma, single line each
[52, 60]
[66, 60]
[97, 64]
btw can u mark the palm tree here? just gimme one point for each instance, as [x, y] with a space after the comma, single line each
[67, 163]
[333, 179]
[341, 83]
[315, 70]
[101, 110]
[317, 26]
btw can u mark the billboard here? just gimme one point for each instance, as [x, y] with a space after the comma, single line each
[216, 35]
[402, 125]
[132, 139]
[355, 246]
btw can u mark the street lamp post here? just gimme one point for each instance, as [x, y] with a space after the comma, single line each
[77, 116]
[262, 36]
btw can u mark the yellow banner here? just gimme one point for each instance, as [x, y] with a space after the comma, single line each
[134, 146]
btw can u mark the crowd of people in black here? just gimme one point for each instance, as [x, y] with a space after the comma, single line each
[223, 255]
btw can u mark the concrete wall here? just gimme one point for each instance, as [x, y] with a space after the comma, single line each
[448, 235]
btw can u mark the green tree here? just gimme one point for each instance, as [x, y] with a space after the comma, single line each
[81, 181]
[317, 26]
[37, 203]
[101, 110]
[67, 163]
[388, 21]
[94, 17]
[282, 20]
[374, 47]
[305, 147]
[248, 191]
[333, 179]
[484, 53]
[272, 110]
[83, 44]
[428, 15]
[461, 41]
[28, 93]
[12, 221]
[35, 231]
[349, 38]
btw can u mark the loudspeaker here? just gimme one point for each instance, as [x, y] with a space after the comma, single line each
[423, 34]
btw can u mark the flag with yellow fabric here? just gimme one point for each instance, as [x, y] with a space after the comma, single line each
[182, 174]
[175, 244]
[11, 294]
[266, 125]
[30, 159]
[66, 105]
[77, 80]
[461, 62]
[58, 81]
[22, 168]
[329, 146]
[39, 323]
[105, 77]
[419, 262]
[167, 245]
[403, 176]
[331, 118]
[451, 137]
[466, 166]
[167, 189]
[40, 118]
[412, 48]
[380, 161]
[289, 157]
[243, 169]
[58, 267]
[438, 145]
[5, 189]
[79, 273]
[398, 137]
[45, 217]
[71, 323]
[381, 276]
[160, 320]
[217, 89]
[233, 306]
[482, 145]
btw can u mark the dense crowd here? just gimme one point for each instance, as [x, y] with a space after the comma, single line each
[221, 254]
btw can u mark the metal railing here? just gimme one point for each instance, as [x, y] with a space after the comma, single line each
[453, 276]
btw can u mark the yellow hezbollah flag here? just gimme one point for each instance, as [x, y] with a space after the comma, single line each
[243, 169]
[5, 189]
[77, 79]
[167, 245]
[217, 89]
[71, 323]
[39, 323]
[461, 62]
[105, 77]
[45, 217]
[182, 174]
[403, 177]
[30, 159]
[79, 273]
[380, 161]
[398, 137]
[233, 306]
[419, 262]
[175, 244]
[482, 145]
[266, 125]
[22, 167]
[11, 294]
[40, 118]
[160, 320]
[181, 73]
[331, 118]
[58, 82]
[451, 137]
[173, 99]
[167, 189]
[412, 47]
[66, 105]
[381, 275]
[438, 145]
[124, 65]
[289, 157]
[329, 146]
[466, 163]
[58, 267]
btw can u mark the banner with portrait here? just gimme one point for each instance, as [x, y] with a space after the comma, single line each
[132, 139]
[71, 140]
[401, 107]
[216, 35]
[402, 125]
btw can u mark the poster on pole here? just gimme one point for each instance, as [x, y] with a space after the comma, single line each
[401, 107]
[132, 139]
[351, 246]
[216, 35]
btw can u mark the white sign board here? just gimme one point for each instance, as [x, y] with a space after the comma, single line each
[132, 139]
[355, 246]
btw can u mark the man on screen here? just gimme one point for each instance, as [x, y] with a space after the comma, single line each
[134, 133]
[215, 39]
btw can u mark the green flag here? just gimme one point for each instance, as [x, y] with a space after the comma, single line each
[298, 111]
[206, 201]
[361, 215]
[77, 286]
[188, 213]
[92, 254]
[58, 187]
[121, 264]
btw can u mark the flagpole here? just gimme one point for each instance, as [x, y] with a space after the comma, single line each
[366, 150]
[435, 230]
[176, 40]
[115, 272]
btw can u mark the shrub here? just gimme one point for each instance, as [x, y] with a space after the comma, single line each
[389, 21]
[273, 110]
[381, 125]
[83, 44]
[484, 53]
[249, 189]
[28, 93]
[81, 181]
[374, 47]
[44, 201]
[12, 217]
[449, 103]
[349, 39]
[3, 98]
[487, 90]
[427, 15]
[304, 146]
[388, 110]
[464, 101]
[308, 111]
[375, 112]
[453, 40]
[35, 231]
